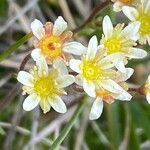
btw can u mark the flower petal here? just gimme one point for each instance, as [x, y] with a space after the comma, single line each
[111, 86]
[107, 26]
[92, 47]
[89, 88]
[40, 60]
[58, 105]
[121, 67]
[75, 65]
[130, 12]
[30, 102]
[60, 66]
[65, 81]
[125, 76]
[79, 80]
[45, 106]
[75, 48]
[25, 78]
[131, 31]
[136, 53]
[148, 97]
[125, 96]
[60, 26]
[96, 109]
[37, 29]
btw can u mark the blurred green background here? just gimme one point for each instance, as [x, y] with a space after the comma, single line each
[122, 126]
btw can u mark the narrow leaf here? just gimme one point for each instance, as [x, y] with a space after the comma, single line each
[68, 127]
[15, 46]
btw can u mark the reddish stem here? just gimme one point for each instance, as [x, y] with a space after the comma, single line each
[99, 7]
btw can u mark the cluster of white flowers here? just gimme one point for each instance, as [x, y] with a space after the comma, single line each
[101, 70]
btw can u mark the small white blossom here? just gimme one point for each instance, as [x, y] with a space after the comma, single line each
[95, 70]
[45, 86]
[119, 42]
[142, 14]
[53, 41]
[103, 95]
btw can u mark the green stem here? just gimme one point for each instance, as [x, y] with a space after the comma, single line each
[14, 47]
[68, 127]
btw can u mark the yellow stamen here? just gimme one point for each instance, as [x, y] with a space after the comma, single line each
[113, 45]
[144, 19]
[51, 46]
[90, 69]
[46, 86]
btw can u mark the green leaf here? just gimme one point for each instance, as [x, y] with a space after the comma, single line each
[15, 46]
[68, 127]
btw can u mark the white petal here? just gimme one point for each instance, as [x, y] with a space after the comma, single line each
[131, 31]
[125, 96]
[30, 102]
[75, 65]
[60, 26]
[148, 97]
[136, 53]
[37, 29]
[60, 66]
[58, 105]
[147, 6]
[111, 60]
[92, 47]
[148, 79]
[25, 78]
[111, 86]
[125, 76]
[65, 81]
[79, 80]
[96, 109]
[89, 88]
[40, 60]
[121, 67]
[130, 12]
[45, 106]
[107, 26]
[75, 48]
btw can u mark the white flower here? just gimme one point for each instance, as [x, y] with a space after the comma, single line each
[53, 40]
[118, 4]
[147, 89]
[103, 95]
[141, 14]
[45, 86]
[95, 70]
[119, 42]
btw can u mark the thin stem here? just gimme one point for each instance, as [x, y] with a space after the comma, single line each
[98, 8]
[139, 90]
[15, 46]
[68, 127]
[25, 60]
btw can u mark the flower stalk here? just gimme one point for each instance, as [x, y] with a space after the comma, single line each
[68, 126]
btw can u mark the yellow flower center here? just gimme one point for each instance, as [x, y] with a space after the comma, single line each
[46, 86]
[51, 46]
[126, 1]
[90, 69]
[145, 23]
[113, 45]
